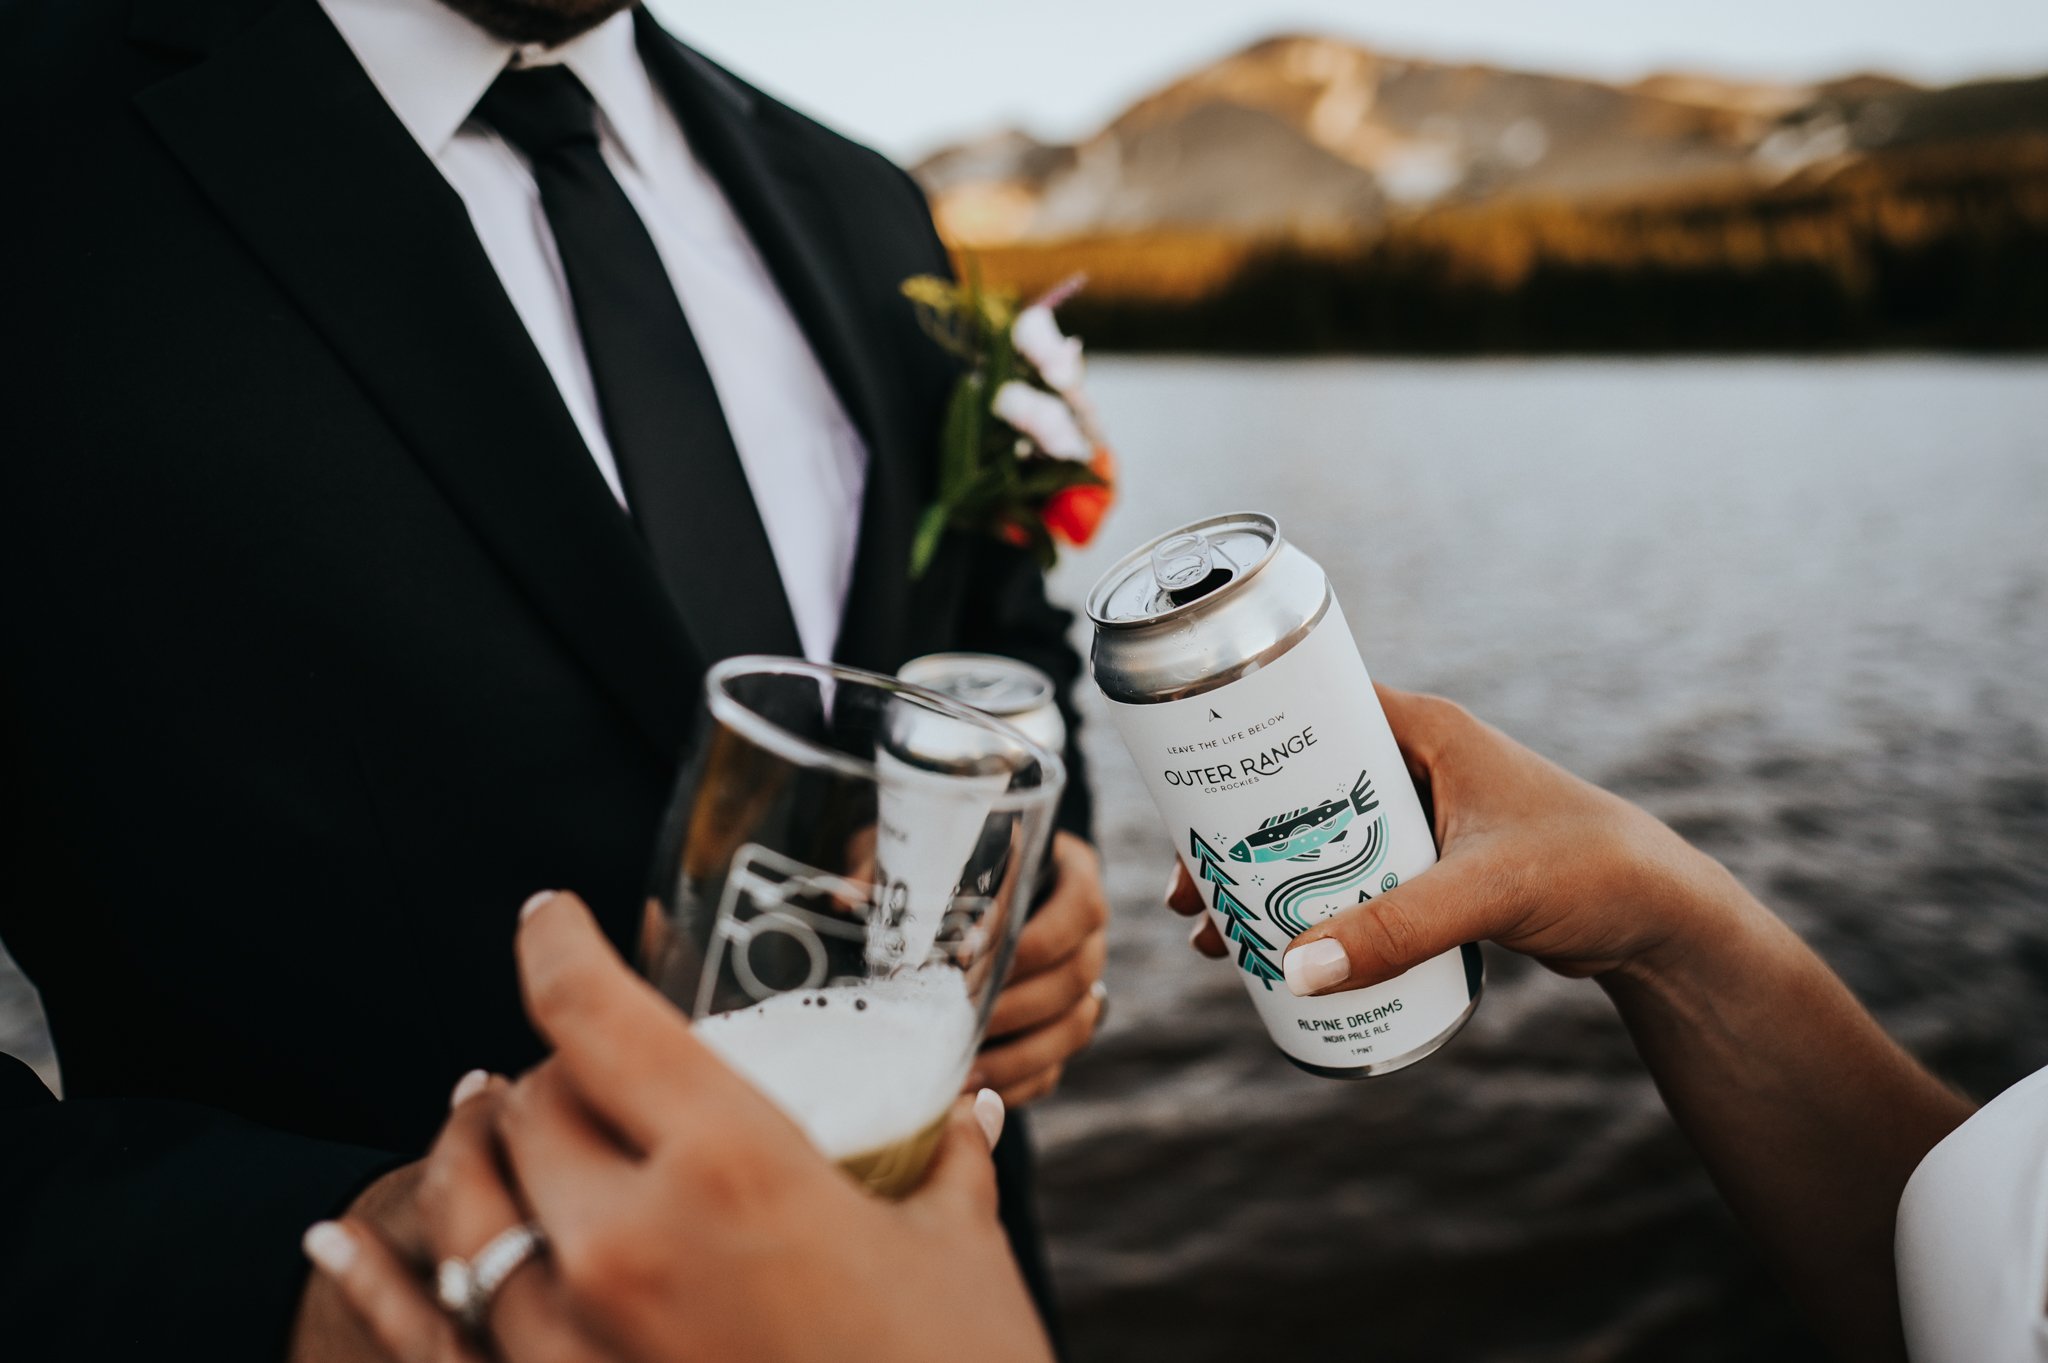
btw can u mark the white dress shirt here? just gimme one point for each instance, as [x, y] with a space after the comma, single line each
[1972, 1233]
[803, 458]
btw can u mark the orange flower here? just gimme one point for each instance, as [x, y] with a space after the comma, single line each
[1074, 514]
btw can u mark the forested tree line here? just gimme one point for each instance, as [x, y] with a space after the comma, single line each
[1940, 247]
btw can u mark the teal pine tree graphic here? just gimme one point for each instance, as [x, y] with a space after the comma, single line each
[1258, 965]
[1208, 865]
[1250, 946]
[1238, 919]
[1238, 928]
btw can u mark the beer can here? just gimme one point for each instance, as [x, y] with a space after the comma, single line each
[1234, 680]
[939, 777]
[1004, 687]
[1010, 690]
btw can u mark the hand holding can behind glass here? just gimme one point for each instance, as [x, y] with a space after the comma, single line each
[1808, 1116]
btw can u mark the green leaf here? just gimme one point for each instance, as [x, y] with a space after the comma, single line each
[1043, 477]
[995, 309]
[960, 448]
[1008, 468]
[987, 495]
[946, 314]
[1002, 359]
[931, 527]
[991, 313]
[932, 291]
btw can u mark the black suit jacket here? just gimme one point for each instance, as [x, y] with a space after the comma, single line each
[323, 643]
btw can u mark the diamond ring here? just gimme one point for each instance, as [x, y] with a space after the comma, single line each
[466, 1286]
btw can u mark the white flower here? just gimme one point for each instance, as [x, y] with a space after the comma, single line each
[1043, 417]
[1057, 358]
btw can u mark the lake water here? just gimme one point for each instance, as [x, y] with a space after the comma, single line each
[1798, 608]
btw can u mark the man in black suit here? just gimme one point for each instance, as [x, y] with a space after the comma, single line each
[387, 393]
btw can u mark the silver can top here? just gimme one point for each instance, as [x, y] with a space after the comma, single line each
[990, 683]
[1169, 574]
[1200, 606]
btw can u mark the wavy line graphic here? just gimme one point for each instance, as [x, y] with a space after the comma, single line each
[1284, 903]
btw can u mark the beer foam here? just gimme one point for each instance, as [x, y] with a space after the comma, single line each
[856, 1065]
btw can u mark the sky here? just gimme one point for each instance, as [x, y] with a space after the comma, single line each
[909, 75]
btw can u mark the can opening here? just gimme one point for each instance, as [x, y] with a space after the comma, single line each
[1186, 569]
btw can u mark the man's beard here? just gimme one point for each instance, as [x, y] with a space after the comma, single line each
[547, 22]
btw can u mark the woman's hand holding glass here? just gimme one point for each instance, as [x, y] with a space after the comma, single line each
[686, 1218]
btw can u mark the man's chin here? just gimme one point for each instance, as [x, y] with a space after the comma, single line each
[547, 22]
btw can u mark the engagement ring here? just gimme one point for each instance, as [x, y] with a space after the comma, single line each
[466, 1286]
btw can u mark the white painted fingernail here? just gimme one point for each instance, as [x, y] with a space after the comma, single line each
[329, 1246]
[533, 902]
[468, 1087]
[988, 1110]
[1318, 965]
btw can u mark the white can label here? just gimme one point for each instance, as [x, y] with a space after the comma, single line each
[1290, 801]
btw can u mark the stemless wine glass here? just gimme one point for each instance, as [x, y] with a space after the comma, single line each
[837, 892]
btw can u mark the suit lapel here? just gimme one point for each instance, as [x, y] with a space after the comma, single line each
[749, 150]
[284, 132]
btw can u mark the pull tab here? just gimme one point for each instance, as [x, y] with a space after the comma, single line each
[1185, 568]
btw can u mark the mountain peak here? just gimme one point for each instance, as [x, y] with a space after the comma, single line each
[1309, 134]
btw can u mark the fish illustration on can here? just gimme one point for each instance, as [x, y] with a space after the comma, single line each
[1301, 834]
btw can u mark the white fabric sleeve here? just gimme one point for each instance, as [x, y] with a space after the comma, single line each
[1972, 1239]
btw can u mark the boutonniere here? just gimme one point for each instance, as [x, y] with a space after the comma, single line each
[1020, 457]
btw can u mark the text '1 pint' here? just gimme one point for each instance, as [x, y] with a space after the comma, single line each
[1236, 685]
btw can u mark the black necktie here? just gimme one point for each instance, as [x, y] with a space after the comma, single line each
[684, 481]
